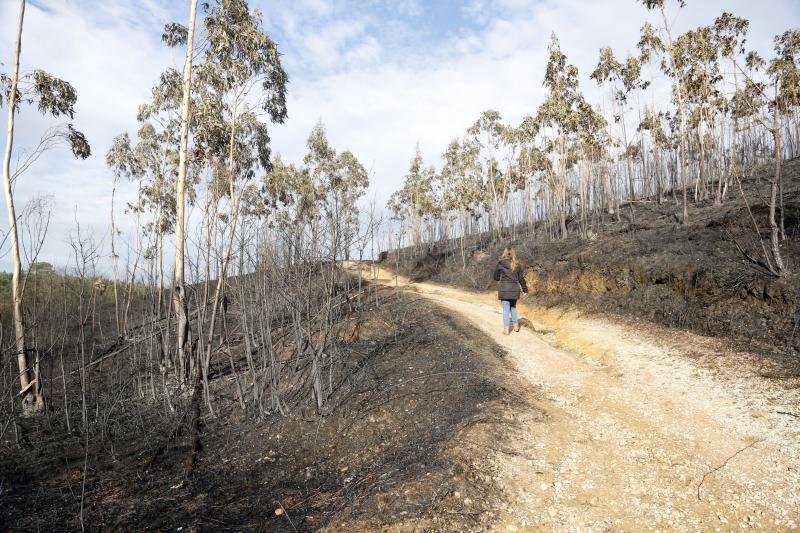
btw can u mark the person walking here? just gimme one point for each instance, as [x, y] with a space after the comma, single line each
[510, 277]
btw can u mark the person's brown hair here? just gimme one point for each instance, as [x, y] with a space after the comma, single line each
[511, 255]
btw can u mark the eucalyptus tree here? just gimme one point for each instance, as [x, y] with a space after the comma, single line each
[651, 47]
[783, 72]
[470, 187]
[450, 199]
[526, 134]
[487, 132]
[624, 78]
[513, 181]
[415, 199]
[669, 68]
[653, 123]
[158, 160]
[561, 157]
[696, 66]
[533, 163]
[730, 34]
[55, 97]
[174, 36]
[239, 76]
[558, 116]
[120, 159]
[151, 162]
[590, 145]
[291, 189]
[321, 162]
[338, 180]
[349, 185]
[250, 151]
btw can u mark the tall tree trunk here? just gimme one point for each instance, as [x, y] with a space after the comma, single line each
[115, 260]
[31, 387]
[682, 122]
[774, 234]
[179, 300]
[235, 203]
[628, 163]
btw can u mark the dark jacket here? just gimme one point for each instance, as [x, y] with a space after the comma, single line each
[509, 280]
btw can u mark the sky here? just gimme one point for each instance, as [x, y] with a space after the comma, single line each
[381, 75]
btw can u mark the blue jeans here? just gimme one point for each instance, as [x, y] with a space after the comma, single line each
[509, 307]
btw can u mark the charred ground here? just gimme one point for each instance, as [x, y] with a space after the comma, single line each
[416, 399]
[706, 276]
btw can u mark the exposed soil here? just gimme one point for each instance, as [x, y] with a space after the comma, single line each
[642, 433]
[650, 267]
[603, 413]
[419, 403]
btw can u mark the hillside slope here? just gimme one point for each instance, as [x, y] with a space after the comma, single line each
[639, 432]
[648, 266]
[413, 410]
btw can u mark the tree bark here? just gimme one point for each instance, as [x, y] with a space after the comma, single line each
[114, 260]
[30, 385]
[774, 234]
[179, 290]
[682, 122]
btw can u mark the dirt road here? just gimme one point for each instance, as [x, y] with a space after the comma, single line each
[640, 435]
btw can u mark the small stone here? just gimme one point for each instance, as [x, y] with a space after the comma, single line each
[278, 511]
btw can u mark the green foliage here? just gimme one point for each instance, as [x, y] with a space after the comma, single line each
[660, 4]
[608, 67]
[175, 34]
[44, 286]
[53, 95]
[784, 70]
[461, 178]
[416, 199]
[240, 52]
[328, 185]
[729, 34]
[650, 44]
[78, 144]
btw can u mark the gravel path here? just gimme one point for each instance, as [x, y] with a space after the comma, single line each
[640, 436]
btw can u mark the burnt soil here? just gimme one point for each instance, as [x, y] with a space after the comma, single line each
[418, 397]
[707, 276]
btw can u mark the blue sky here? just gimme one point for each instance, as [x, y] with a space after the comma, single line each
[381, 75]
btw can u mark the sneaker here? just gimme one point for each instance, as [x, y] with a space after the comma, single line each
[506, 330]
[516, 326]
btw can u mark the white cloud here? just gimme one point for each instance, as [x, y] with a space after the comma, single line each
[381, 111]
[379, 77]
[325, 47]
[104, 51]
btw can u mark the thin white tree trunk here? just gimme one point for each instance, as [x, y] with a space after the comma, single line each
[30, 386]
[775, 241]
[682, 122]
[179, 291]
[114, 259]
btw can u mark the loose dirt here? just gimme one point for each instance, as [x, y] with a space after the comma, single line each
[644, 431]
